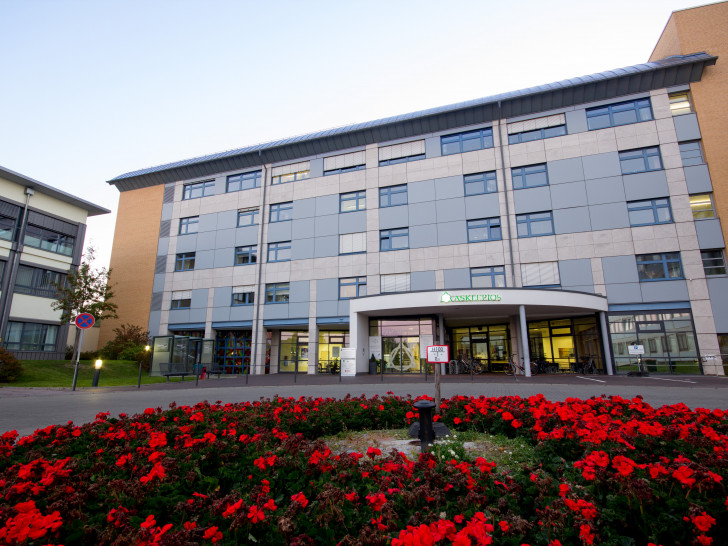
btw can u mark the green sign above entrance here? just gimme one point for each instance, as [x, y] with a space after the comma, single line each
[448, 298]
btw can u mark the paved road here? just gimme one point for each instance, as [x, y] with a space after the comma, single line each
[26, 410]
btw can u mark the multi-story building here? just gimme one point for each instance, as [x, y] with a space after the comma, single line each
[41, 238]
[567, 221]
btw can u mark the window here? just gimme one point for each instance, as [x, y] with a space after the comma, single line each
[713, 262]
[535, 224]
[352, 287]
[185, 261]
[398, 282]
[248, 217]
[35, 281]
[344, 163]
[393, 239]
[7, 227]
[680, 103]
[691, 153]
[246, 255]
[2, 270]
[640, 161]
[243, 295]
[45, 239]
[181, 299]
[649, 212]
[542, 274]
[484, 229]
[280, 212]
[393, 196]
[243, 181]
[353, 201]
[537, 134]
[290, 173]
[353, 243]
[279, 252]
[25, 336]
[401, 153]
[659, 267]
[702, 206]
[622, 113]
[475, 184]
[488, 277]
[198, 189]
[188, 225]
[277, 292]
[467, 142]
[531, 176]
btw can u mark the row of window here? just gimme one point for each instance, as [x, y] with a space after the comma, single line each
[650, 267]
[38, 237]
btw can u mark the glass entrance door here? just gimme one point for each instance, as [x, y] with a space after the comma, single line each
[401, 354]
[294, 352]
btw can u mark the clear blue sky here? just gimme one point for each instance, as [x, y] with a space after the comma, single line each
[95, 88]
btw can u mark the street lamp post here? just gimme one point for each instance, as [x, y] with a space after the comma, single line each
[146, 350]
[97, 373]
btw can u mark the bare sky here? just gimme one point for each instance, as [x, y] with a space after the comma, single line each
[92, 89]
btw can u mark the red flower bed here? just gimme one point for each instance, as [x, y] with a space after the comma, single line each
[606, 471]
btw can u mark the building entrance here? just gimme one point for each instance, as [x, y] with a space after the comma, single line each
[294, 352]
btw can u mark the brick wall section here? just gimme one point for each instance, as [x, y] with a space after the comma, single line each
[132, 261]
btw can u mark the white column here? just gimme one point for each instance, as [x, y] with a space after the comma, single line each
[359, 339]
[313, 345]
[524, 340]
[605, 343]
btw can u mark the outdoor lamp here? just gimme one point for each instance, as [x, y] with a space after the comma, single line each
[97, 373]
[146, 350]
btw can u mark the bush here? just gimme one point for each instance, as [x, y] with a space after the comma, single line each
[130, 352]
[10, 367]
[85, 355]
[128, 338]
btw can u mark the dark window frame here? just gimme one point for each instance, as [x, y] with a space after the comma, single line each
[640, 107]
[246, 255]
[181, 304]
[22, 345]
[537, 134]
[457, 143]
[529, 176]
[44, 283]
[184, 261]
[275, 290]
[389, 236]
[251, 213]
[480, 183]
[489, 225]
[186, 224]
[49, 240]
[528, 221]
[240, 181]
[190, 191]
[665, 259]
[654, 205]
[691, 153]
[280, 212]
[713, 262]
[278, 248]
[387, 194]
[289, 177]
[359, 198]
[627, 157]
[244, 298]
[358, 283]
[492, 272]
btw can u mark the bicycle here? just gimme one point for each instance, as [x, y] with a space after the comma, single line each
[587, 366]
[514, 368]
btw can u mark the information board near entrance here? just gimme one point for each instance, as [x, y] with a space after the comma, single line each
[348, 362]
[438, 354]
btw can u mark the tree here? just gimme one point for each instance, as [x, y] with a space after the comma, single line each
[127, 337]
[86, 290]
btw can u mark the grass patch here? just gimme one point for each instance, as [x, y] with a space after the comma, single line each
[59, 374]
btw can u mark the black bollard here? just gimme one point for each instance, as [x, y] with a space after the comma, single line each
[427, 433]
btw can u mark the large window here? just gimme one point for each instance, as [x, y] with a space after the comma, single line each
[467, 141]
[352, 287]
[397, 282]
[535, 224]
[488, 277]
[680, 103]
[353, 201]
[537, 134]
[52, 241]
[181, 299]
[393, 196]
[531, 176]
[353, 243]
[248, 217]
[7, 227]
[26, 336]
[713, 262]
[649, 212]
[640, 161]
[344, 163]
[37, 282]
[622, 113]
[702, 206]
[476, 184]
[277, 292]
[198, 189]
[484, 229]
[233, 350]
[401, 153]
[243, 181]
[243, 295]
[189, 225]
[290, 173]
[691, 153]
[280, 212]
[393, 239]
[2, 270]
[659, 266]
[246, 255]
[185, 261]
[279, 252]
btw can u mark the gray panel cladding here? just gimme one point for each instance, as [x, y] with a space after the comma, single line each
[605, 190]
[164, 228]
[298, 310]
[246, 236]
[222, 297]
[452, 233]
[227, 219]
[225, 238]
[187, 243]
[422, 280]
[158, 284]
[205, 259]
[168, 196]
[279, 231]
[167, 209]
[327, 308]
[179, 316]
[327, 289]
[304, 208]
[299, 291]
[160, 265]
[199, 298]
[432, 147]
[153, 326]
[698, 179]
[325, 247]
[576, 122]
[457, 278]
[206, 241]
[664, 291]
[450, 209]
[624, 293]
[275, 311]
[710, 233]
[393, 217]
[303, 249]
[241, 312]
[221, 314]
[619, 270]
[482, 206]
[156, 303]
[601, 165]
[449, 187]
[423, 236]
[343, 308]
[532, 199]
[717, 289]
[303, 229]
[647, 185]
[686, 127]
[207, 222]
[327, 204]
[352, 222]
[564, 196]
[572, 220]
[576, 273]
[609, 216]
[421, 213]
[326, 225]
[163, 247]
[316, 168]
[421, 192]
[565, 170]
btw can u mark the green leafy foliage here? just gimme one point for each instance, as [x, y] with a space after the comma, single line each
[10, 367]
[128, 341]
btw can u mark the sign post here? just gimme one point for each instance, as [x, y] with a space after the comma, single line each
[638, 350]
[438, 354]
[348, 362]
[83, 322]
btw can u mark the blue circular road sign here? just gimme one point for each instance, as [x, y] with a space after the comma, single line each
[85, 320]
